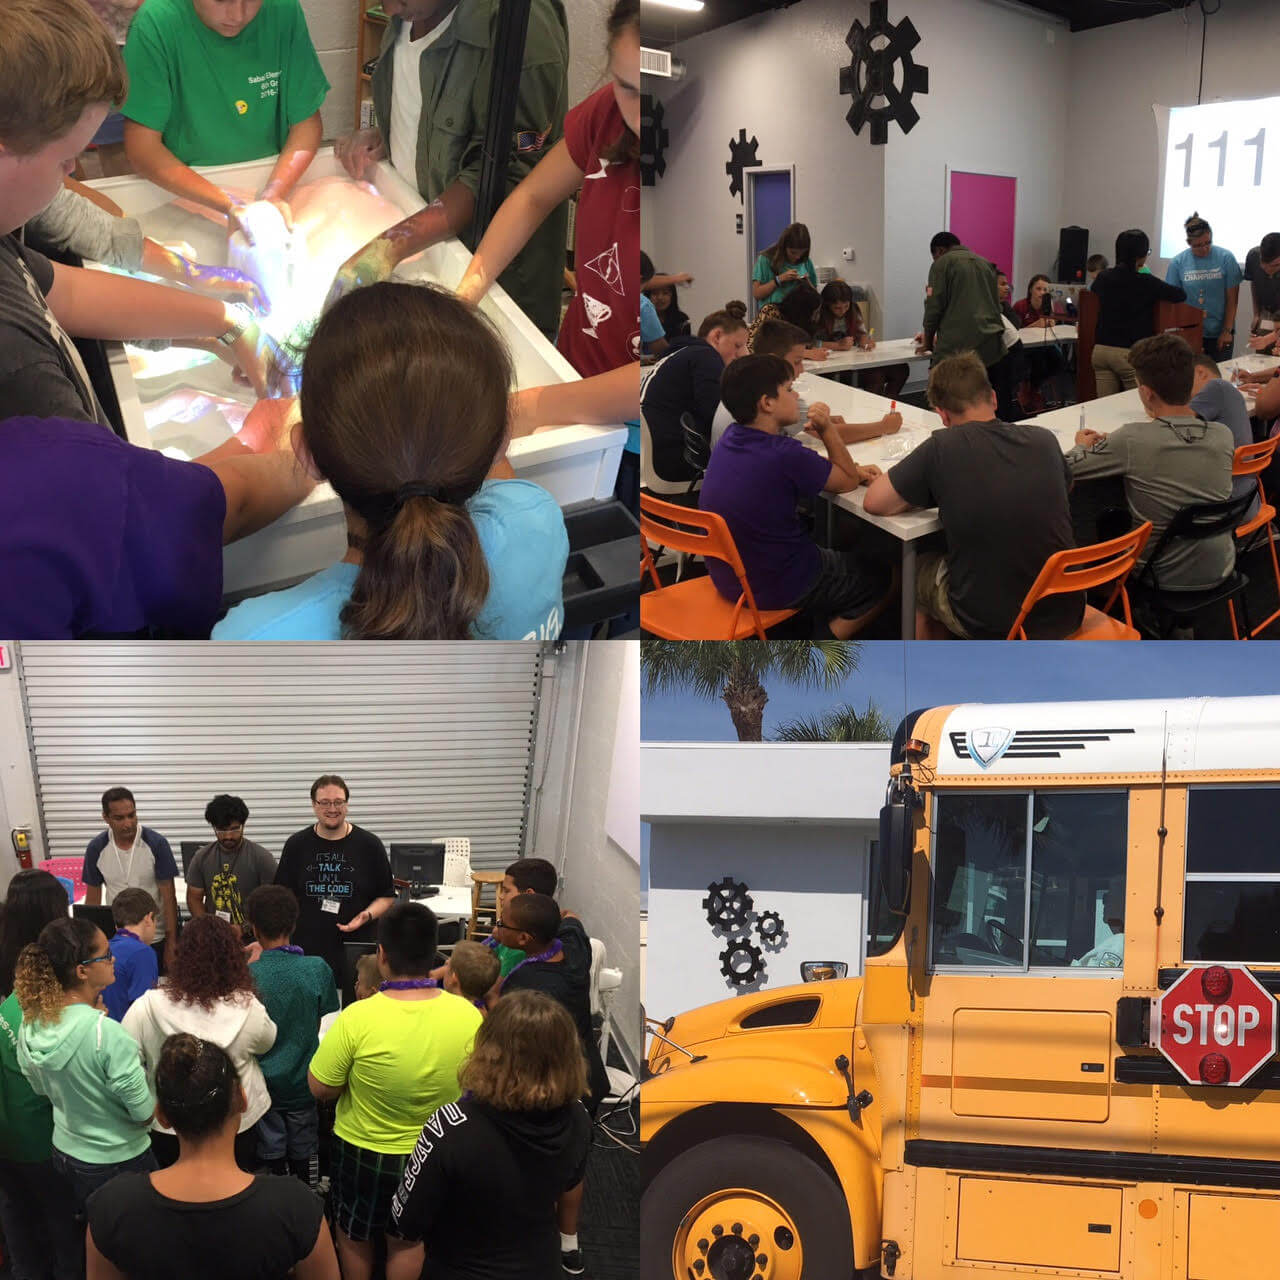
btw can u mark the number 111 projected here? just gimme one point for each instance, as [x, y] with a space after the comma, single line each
[1222, 160]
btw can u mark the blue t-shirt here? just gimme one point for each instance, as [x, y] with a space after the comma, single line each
[650, 325]
[137, 970]
[763, 271]
[1206, 281]
[522, 535]
[754, 481]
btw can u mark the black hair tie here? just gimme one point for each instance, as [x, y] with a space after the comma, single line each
[407, 491]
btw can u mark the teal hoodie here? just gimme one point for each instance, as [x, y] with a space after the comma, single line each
[90, 1069]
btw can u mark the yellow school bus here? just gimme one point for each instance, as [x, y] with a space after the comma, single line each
[1056, 1061]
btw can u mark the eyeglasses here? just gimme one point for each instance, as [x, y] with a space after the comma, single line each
[237, 830]
[1202, 242]
[99, 959]
[330, 804]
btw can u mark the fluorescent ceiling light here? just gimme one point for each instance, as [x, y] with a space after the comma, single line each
[689, 6]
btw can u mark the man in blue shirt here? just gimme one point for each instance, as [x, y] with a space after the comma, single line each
[1211, 276]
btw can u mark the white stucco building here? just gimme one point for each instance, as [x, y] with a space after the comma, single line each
[793, 822]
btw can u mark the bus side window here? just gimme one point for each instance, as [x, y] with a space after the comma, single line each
[1070, 847]
[1231, 903]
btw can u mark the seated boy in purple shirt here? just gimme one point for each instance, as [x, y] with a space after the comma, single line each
[757, 475]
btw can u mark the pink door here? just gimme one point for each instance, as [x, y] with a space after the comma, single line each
[983, 212]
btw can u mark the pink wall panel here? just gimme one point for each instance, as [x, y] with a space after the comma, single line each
[983, 212]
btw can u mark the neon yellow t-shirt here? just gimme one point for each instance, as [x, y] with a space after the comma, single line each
[399, 1060]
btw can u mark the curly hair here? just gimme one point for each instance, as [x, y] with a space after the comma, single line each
[46, 968]
[273, 911]
[209, 964]
[225, 811]
[527, 1056]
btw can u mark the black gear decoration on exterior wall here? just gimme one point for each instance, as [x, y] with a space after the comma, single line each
[741, 963]
[770, 927]
[654, 139]
[727, 904]
[742, 155]
[871, 74]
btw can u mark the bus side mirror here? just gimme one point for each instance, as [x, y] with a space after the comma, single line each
[897, 843]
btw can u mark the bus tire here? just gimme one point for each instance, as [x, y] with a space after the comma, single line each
[766, 1187]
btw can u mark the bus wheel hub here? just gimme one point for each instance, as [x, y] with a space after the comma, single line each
[738, 1235]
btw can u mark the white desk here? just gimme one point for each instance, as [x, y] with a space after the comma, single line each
[891, 351]
[1060, 333]
[856, 405]
[450, 903]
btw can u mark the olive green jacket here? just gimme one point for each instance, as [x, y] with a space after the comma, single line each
[455, 72]
[962, 308]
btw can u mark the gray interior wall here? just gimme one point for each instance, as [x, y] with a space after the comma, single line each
[814, 877]
[777, 76]
[1117, 74]
[599, 880]
[998, 82]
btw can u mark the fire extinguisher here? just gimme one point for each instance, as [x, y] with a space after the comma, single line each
[22, 846]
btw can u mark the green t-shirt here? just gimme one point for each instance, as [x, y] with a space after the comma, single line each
[216, 100]
[297, 992]
[508, 958]
[26, 1118]
[763, 270]
[399, 1061]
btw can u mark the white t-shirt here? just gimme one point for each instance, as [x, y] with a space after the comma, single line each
[406, 98]
[131, 868]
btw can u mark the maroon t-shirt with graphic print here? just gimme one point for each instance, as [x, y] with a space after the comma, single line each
[601, 328]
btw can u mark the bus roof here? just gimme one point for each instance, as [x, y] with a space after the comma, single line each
[1013, 739]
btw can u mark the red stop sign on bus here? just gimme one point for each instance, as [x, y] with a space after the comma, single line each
[1216, 1024]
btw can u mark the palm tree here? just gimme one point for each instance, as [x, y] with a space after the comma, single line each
[841, 724]
[735, 671]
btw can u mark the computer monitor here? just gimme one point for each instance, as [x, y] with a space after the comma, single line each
[418, 863]
[188, 850]
[351, 952]
[101, 916]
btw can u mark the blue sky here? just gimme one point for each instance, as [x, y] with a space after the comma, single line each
[897, 676]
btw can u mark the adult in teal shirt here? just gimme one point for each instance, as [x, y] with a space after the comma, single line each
[783, 265]
[220, 82]
[1211, 276]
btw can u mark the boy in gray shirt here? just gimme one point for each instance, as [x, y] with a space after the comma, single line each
[1170, 461]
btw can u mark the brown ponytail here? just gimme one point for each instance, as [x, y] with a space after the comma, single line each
[404, 409]
[624, 16]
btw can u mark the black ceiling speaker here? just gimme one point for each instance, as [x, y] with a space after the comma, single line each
[873, 74]
[654, 139]
[742, 155]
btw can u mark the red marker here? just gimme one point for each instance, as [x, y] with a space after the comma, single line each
[893, 406]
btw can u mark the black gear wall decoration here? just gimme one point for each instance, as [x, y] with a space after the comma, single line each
[871, 74]
[654, 139]
[770, 928]
[742, 155]
[727, 904]
[741, 963]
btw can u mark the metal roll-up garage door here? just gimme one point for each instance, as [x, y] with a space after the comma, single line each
[433, 739]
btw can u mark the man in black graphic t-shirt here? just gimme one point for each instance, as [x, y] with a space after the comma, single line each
[338, 872]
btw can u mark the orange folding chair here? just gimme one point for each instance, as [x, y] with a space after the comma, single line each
[1082, 568]
[694, 609]
[1253, 460]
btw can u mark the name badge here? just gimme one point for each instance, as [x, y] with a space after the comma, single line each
[223, 915]
[331, 905]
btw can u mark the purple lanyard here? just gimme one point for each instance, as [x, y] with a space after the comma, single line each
[406, 984]
[293, 951]
[554, 949]
[128, 933]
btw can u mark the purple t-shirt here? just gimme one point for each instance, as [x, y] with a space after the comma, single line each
[754, 481]
[103, 538]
